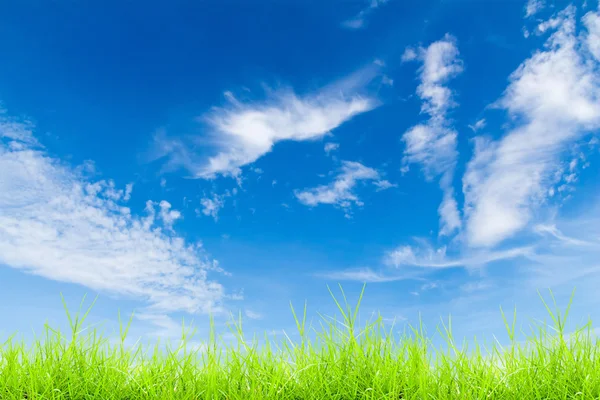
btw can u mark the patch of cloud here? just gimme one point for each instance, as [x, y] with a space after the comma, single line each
[359, 21]
[433, 144]
[253, 315]
[573, 242]
[591, 21]
[329, 147]
[340, 192]
[387, 81]
[426, 256]
[554, 97]
[472, 287]
[477, 126]
[384, 184]
[56, 223]
[212, 205]
[165, 214]
[165, 325]
[16, 133]
[244, 132]
[430, 286]
[364, 275]
[550, 24]
[409, 54]
[552, 230]
[533, 7]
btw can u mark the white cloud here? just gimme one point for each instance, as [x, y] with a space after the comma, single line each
[592, 23]
[329, 147]
[533, 7]
[359, 21]
[448, 211]
[384, 184]
[243, 132]
[433, 144]
[364, 275]
[18, 132]
[477, 126]
[429, 286]
[552, 230]
[550, 24]
[425, 256]
[253, 315]
[340, 192]
[167, 327]
[387, 81]
[212, 206]
[409, 55]
[165, 214]
[472, 287]
[555, 98]
[56, 223]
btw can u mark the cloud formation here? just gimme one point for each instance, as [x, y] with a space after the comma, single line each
[432, 144]
[477, 126]
[554, 98]
[241, 133]
[359, 21]
[340, 192]
[364, 275]
[533, 7]
[330, 146]
[212, 206]
[56, 223]
[425, 256]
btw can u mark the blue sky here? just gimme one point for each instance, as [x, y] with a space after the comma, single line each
[187, 158]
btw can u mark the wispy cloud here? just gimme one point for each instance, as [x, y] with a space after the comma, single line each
[477, 126]
[329, 147]
[552, 230]
[433, 144]
[252, 314]
[212, 205]
[533, 7]
[424, 255]
[409, 54]
[384, 184]
[592, 23]
[365, 275]
[241, 133]
[554, 97]
[166, 214]
[359, 21]
[56, 223]
[340, 192]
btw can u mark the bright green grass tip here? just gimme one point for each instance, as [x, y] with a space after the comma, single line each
[342, 363]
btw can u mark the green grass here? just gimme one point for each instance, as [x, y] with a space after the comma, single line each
[342, 363]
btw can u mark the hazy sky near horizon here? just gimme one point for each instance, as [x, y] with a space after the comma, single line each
[185, 158]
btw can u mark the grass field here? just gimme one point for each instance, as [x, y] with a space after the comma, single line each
[344, 362]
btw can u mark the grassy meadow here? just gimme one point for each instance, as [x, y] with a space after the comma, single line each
[345, 362]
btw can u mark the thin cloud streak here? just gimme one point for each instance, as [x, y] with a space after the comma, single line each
[360, 20]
